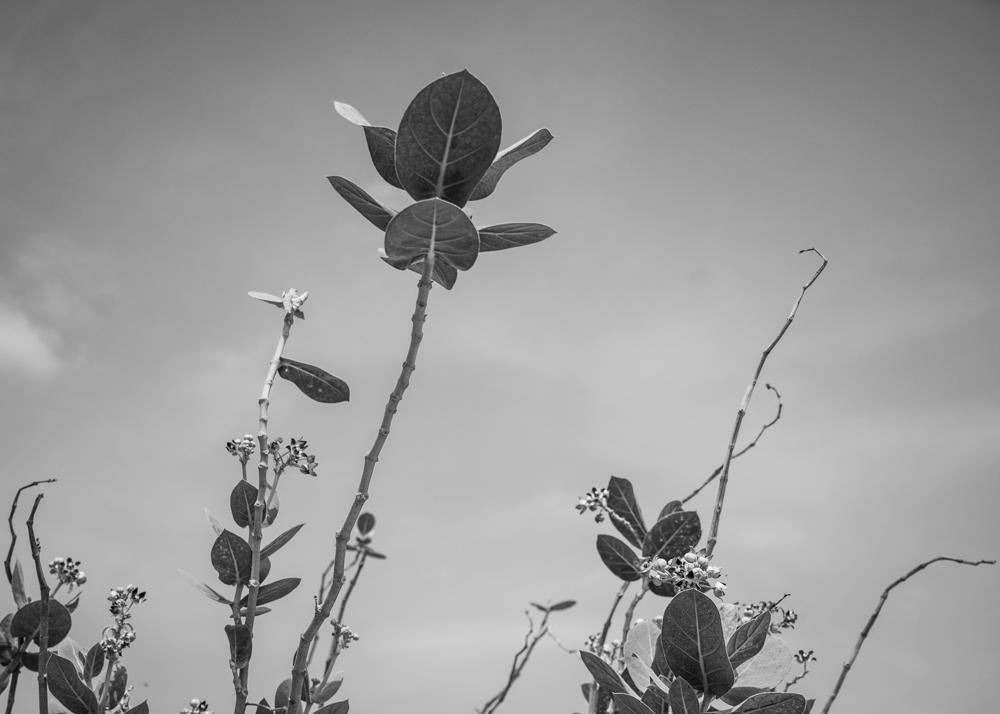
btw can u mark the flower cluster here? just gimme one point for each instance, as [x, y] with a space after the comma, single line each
[295, 454]
[691, 570]
[67, 571]
[196, 706]
[787, 621]
[803, 657]
[610, 652]
[343, 636]
[242, 447]
[116, 638]
[596, 501]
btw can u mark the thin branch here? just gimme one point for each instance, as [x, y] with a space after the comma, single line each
[801, 675]
[713, 535]
[520, 660]
[343, 536]
[13, 691]
[878, 608]
[43, 630]
[631, 611]
[10, 525]
[765, 427]
[593, 701]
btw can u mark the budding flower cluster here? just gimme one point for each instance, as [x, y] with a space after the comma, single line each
[67, 571]
[691, 570]
[196, 706]
[788, 617]
[295, 454]
[116, 638]
[803, 657]
[610, 652]
[596, 501]
[242, 447]
[343, 635]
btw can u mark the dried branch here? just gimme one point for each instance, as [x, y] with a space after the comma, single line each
[10, 525]
[631, 611]
[745, 449]
[713, 535]
[878, 608]
[43, 630]
[520, 660]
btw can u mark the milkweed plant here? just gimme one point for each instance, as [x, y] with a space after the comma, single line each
[707, 652]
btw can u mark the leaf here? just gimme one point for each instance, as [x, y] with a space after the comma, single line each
[432, 226]
[526, 147]
[28, 619]
[17, 585]
[444, 274]
[656, 699]
[205, 589]
[93, 663]
[335, 708]
[447, 138]
[748, 639]
[602, 672]
[737, 694]
[240, 644]
[213, 521]
[672, 535]
[257, 611]
[282, 692]
[382, 148]
[654, 680]
[241, 501]
[773, 703]
[273, 591]
[663, 589]
[66, 686]
[620, 559]
[315, 383]
[683, 699]
[639, 646]
[694, 644]
[628, 704]
[366, 523]
[621, 501]
[119, 681]
[327, 691]
[671, 507]
[140, 708]
[231, 558]
[272, 547]
[271, 509]
[769, 667]
[351, 114]
[377, 214]
[512, 235]
[73, 602]
[268, 298]
[564, 605]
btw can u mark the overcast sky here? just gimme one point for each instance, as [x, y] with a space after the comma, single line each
[159, 159]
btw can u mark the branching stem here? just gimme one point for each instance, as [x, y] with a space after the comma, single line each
[43, 630]
[531, 639]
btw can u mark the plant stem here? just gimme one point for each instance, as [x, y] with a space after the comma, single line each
[13, 691]
[878, 608]
[745, 404]
[593, 701]
[43, 630]
[13, 533]
[520, 660]
[631, 611]
[343, 536]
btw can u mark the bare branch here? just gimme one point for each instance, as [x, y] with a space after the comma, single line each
[10, 524]
[43, 630]
[520, 660]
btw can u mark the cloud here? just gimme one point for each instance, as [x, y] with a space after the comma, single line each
[26, 348]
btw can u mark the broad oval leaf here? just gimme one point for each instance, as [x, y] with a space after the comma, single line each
[602, 672]
[620, 559]
[640, 644]
[773, 703]
[232, 558]
[770, 667]
[273, 591]
[241, 500]
[737, 694]
[683, 698]
[240, 644]
[325, 692]
[28, 620]
[444, 274]
[366, 523]
[626, 516]
[341, 707]
[512, 235]
[432, 226]
[629, 704]
[271, 548]
[447, 138]
[526, 147]
[663, 589]
[748, 639]
[315, 383]
[656, 699]
[671, 507]
[93, 663]
[694, 644]
[673, 535]
[67, 687]
[377, 214]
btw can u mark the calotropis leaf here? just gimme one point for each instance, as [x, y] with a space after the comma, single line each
[770, 667]
[620, 559]
[639, 646]
[748, 639]
[671, 507]
[694, 644]
[271, 548]
[377, 214]
[672, 535]
[432, 226]
[205, 589]
[629, 704]
[315, 383]
[381, 142]
[240, 644]
[602, 673]
[232, 558]
[93, 663]
[332, 686]
[273, 591]
[527, 146]
[512, 235]
[773, 703]
[67, 687]
[341, 707]
[737, 694]
[656, 699]
[447, 138]
[17, 585]
[626, 516]
[366, 523]
[241, 500]
[663, 589]
[683, 698]
[444, 274]
[563, 605]
[28, 619]
[117, 685]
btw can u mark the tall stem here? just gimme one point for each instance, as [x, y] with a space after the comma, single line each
[43, 630]
[344, 535]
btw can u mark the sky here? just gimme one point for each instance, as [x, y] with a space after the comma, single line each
[158, 160]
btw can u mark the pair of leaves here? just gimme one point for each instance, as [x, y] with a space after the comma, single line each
[27, 621]
[562, 605]
[317, 384]
[670, 537]
[241, 505]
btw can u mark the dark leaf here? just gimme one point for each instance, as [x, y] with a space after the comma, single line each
[271, 509]
[282, 692]
[205, 590]
[662, 589]
[93, 664]
[683, 698]
[272, 547]
[508, 157]
[117, 685]
[382, 148]
[315, 383]
[694, 643]
[28, 619]
[232, 558]
[240, 644]
[321, 694]
[620, 559]
[512, 235]
[66, 686]
[621, 501]
[30, 661]
[628, 704]
[602, 672]
[671, 507]
[564, 605]
[447, 139]
[241, 501]
[377, 214]
[273, 591]
[656, 699]
[444, 274]
[585, 688]
[737, 694]
[366, 523]
[17, 585]
[335, 708]
[375, 554]
[748, 639]
[73, 602]
[141, 708]
[432, 225]
[672, 535]
[809, 706]
[773, 703]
